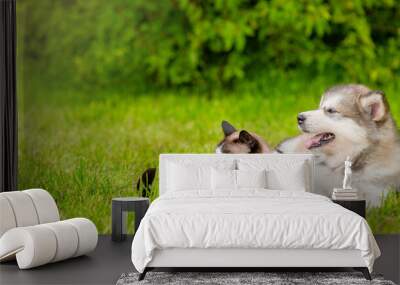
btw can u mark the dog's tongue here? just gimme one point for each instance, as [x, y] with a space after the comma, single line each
[314, 141]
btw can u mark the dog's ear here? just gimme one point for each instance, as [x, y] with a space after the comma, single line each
[246, 138]
[374, 105]
[227, 128]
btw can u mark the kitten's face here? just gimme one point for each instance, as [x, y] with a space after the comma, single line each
[237, 141]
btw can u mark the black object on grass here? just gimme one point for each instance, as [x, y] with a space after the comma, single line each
[145, 181]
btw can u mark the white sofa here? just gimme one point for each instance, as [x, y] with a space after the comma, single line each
[31, 231]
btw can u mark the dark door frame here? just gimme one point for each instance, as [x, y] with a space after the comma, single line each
[8, 100]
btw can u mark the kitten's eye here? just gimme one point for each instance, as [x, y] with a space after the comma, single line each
[331, 111]
[236, 141]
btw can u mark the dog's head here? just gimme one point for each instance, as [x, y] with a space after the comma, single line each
[240, 141]
[349, 119]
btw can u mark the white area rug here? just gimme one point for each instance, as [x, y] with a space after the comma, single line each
[233, 278]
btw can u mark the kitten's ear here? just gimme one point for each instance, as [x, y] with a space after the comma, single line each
[374, 105]
[246, 138]
[227, 128]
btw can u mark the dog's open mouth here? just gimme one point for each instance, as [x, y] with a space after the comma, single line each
[319, 140]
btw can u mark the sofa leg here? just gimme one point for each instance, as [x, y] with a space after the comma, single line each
[142, 275]
[364, 271]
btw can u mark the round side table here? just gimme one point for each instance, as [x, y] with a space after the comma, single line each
[120, 206]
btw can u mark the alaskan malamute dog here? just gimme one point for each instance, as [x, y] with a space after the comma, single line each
[352, 120]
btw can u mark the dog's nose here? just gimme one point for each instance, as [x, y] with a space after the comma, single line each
[301, 118]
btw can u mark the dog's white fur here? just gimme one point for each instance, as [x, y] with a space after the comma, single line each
[364, 130]
[349, 134]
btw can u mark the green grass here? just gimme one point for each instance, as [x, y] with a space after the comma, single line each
[86, 146]
[386, 218]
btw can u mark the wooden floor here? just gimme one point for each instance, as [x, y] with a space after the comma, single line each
[111, 259]
[103, 266]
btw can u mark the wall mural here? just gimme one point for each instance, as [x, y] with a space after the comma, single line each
[104, 87]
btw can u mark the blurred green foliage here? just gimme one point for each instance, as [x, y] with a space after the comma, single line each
[210, 42]
[386, 218]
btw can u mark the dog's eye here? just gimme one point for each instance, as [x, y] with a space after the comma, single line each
[331, 111]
